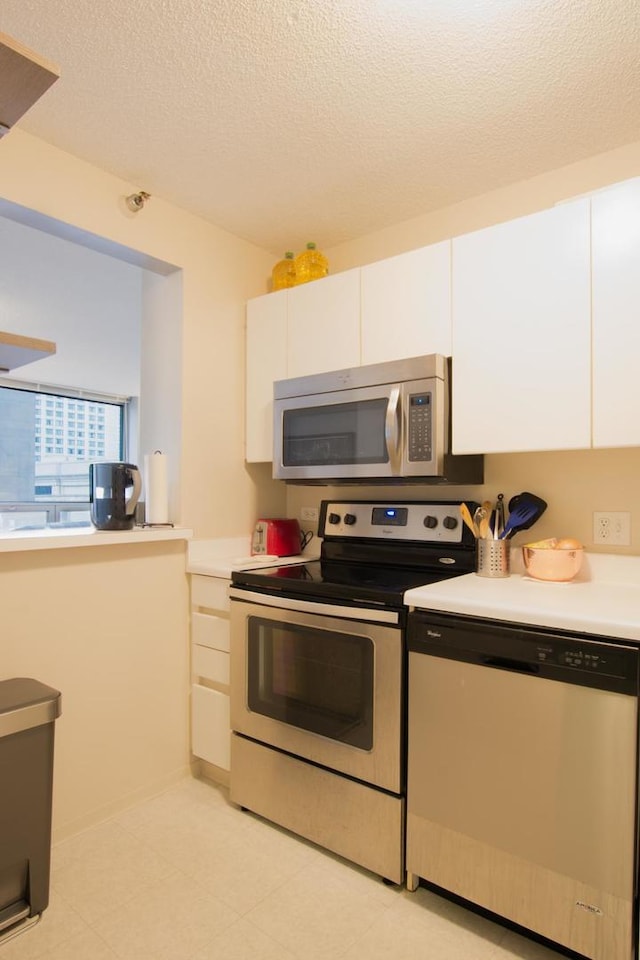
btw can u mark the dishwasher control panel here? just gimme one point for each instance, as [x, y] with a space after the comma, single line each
[588, 656]
[602, 662]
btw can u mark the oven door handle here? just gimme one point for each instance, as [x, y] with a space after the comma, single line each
[308, 606]
[392, 431]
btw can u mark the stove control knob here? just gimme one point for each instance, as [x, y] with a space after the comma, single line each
[349, 519]
[450, 523]
[334, 518]
[430, 522]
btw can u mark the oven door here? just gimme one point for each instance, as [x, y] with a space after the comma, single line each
[319, 682]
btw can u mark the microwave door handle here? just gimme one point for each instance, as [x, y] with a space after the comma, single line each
[392, 430]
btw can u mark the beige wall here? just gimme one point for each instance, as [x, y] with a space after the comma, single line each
[574, 483]
[107, 626]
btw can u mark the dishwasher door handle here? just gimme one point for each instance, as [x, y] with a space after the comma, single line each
[505, 663]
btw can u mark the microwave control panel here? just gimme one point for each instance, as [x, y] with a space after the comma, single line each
[420, 417]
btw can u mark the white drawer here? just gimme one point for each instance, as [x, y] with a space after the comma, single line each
[210, 631]
[210, 727]
[212, 592]
[210, 664]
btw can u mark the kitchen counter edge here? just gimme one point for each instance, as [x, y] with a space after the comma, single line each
[80, 538]
[599, 607]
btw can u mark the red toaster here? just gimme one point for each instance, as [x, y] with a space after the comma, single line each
[276, 538]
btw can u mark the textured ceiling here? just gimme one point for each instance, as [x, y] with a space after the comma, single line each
[284, 121]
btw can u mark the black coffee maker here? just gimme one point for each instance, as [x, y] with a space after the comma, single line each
[109, 484]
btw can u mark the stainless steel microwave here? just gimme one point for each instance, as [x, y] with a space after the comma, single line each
[380, 423]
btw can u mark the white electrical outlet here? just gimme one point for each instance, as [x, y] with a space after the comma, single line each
[612, 528]
[309, 514]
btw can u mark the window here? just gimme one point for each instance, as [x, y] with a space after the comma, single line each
[45, 482]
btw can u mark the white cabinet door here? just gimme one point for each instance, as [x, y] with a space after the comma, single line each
[209, 664]
[616, 315]
[210, 631]
[266, 361]
[521, 334]
[323, 330]
[406, 305]
[210, 592]
[210, 726]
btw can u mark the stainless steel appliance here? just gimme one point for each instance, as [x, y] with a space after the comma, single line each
[114, 491]
[318, 666]
[385, 421]
[522, 776]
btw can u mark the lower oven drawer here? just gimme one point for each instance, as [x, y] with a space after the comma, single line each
[357, 822]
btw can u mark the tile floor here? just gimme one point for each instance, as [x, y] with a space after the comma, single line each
[187, 876]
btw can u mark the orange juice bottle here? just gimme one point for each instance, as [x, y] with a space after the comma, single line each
[283, 274]
[311, 265]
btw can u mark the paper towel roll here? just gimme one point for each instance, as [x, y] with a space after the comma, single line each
[156, 484]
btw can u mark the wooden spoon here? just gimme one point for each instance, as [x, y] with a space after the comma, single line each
[466, 516]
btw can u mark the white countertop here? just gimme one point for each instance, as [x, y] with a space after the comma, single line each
[219, 558]
[59, 538]
[604, 599]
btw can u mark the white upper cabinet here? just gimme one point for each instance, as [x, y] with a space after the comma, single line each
[266, 361]
[521, 334]
[324, 325]
[406, 305]
[616, 315]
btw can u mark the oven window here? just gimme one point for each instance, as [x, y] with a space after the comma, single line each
[334, 434]
[314, 679]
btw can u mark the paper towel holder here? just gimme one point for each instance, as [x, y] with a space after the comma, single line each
[152, 523]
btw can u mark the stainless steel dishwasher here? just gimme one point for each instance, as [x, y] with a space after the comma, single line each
[523, 776]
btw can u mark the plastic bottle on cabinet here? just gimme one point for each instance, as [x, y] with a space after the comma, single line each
[283, 274]
[311, 265]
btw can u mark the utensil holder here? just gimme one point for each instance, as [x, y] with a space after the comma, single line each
[492, 558]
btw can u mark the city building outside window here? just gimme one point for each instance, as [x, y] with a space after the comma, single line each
[44, 455]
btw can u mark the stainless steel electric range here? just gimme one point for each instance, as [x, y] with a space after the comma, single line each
[318, 675]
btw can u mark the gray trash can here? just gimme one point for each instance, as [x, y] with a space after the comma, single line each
[28, 710]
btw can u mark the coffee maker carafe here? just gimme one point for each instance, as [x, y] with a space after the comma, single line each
[109, 484]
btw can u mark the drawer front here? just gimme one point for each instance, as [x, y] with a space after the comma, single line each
[212, 592]
[210, 631]
[210, 664]
[210, 731]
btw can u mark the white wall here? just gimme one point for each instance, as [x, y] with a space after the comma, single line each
[161, 411]
[88, 303]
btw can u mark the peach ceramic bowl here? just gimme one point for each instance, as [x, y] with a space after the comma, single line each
[558, 565]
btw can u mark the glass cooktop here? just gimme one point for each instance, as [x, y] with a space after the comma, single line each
[327, 580]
